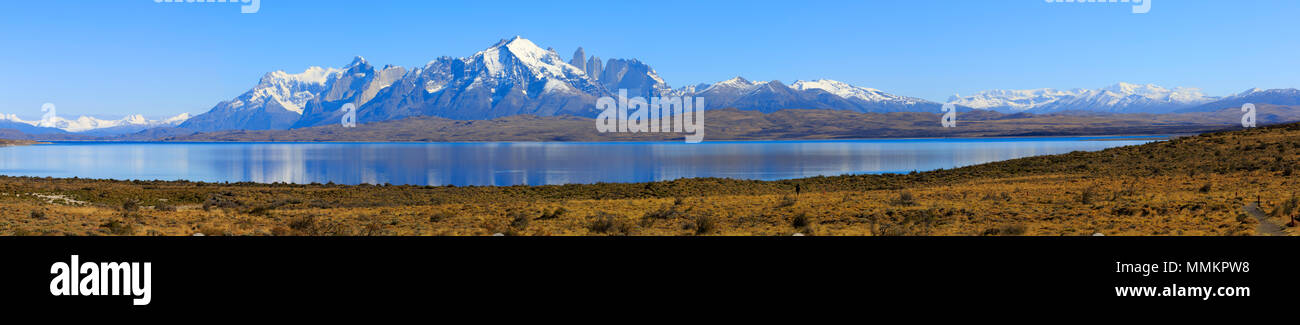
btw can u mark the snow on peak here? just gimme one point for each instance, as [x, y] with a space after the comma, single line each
[513, 62]
[847, 91]
[556, 86]
[135, 119]
[519, 54]
[737, 83]
[358, 61]
[313, 75]
[177, 120]
[1122, 96]
[1250, 91]
[1016, 100]
[290, 91]
[1129, 89]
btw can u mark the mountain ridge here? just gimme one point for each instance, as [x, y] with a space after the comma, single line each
[1118, 98]
[515, 76]
[89, 125]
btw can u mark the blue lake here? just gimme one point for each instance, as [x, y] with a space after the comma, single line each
[522, 163]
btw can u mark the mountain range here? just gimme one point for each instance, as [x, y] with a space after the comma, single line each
[87, 125]
[517, 77]
[512, 77]
[1290, 97]
[1119, 98]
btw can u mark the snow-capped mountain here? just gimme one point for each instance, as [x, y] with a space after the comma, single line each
[848, 91]
[635, 76]
[1119, 98]
[514, 76]
[275, 103]
[867, 99]
[87, 124]
[723, 93]
[771, 96]
[357, 85]
[1289, 97]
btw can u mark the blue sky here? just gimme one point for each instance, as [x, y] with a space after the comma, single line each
[114, 57]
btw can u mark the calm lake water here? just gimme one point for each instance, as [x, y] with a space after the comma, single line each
[522, 163]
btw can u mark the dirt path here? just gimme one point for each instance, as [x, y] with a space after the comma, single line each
[1266, 227]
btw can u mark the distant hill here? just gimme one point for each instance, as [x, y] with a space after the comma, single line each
[734, 124]
[28, 128]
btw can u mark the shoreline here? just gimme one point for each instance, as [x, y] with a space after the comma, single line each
[1108, 137]
[19, 143]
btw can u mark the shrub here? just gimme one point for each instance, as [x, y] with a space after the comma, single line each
[1003, 196]
[303, 223]
[704, 225]
[374, 226]
[260, 211]
[1088, 196]
[602, 223]
[311, 226]
[663, 214]
[1007, 230]
[119, 228]
[130, 205]
[38, 214]
[441, 215]
[519, 220]
[800, 220]
[787, 201]
[221, 201]
[1242, 218]
[555, 214]
[905, 198]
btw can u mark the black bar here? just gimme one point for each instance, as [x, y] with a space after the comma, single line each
[455, 275]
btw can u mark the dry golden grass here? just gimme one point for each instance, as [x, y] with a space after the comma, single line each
[1191, 186]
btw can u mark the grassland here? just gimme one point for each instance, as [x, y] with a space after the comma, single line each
[1193, 186]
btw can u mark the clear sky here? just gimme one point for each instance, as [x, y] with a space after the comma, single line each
[116, 57]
